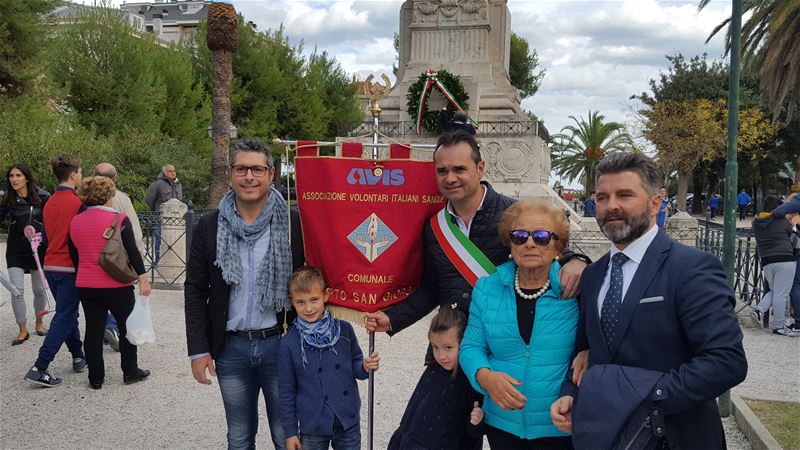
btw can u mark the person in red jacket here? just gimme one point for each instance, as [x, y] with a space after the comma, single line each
[99, 293]
[60, 274]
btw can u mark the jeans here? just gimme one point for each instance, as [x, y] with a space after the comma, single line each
[349, 439]
[111, 322]
[244, 368]
[794, 295]
[780, 277]
[17, 277]
[742, 212]
[64, 326]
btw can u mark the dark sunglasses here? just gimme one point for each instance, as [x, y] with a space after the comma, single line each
[540, 237]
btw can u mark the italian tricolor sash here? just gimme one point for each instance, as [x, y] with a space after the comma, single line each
[463, 253]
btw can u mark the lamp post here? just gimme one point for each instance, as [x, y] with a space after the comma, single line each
[731, 166]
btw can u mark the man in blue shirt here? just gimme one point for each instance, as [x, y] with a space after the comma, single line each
[713, 205]
[663, 210]
[589, 206]
[742, 200]
[236, 293]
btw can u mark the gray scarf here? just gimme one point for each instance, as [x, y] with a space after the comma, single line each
[272, 280]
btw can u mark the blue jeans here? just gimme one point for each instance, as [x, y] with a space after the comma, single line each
[64, 326]
[244, 368]
[349, 439]
[111, 323]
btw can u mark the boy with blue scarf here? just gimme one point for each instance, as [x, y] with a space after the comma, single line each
[319, 361]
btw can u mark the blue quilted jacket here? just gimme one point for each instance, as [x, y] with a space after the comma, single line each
[492, 340]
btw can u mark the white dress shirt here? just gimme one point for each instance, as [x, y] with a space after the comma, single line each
[461, 225]
[635, 252]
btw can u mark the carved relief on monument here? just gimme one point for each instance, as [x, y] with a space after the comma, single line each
[473, 10]
[511, 160]
[426, 11]
[439, 11]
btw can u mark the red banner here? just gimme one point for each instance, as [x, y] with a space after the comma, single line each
[362, 225]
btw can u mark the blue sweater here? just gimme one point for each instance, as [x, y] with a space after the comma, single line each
[312, 396]
[492, 341]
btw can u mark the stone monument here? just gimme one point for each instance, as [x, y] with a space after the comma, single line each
[471, 39]
[171, 268]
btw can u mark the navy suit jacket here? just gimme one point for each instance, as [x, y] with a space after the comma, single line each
[686, 328]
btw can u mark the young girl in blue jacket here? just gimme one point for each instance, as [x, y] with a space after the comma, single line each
[444, 410]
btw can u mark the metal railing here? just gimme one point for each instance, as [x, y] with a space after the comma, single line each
[403, 128]
[748, 284]
[162, 275]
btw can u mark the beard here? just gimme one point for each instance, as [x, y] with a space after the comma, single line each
[633, 227]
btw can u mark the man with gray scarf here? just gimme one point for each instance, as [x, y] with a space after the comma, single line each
[236, 292]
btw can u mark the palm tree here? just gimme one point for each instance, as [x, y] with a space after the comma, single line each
[771, 40]
[223, 41]
[577, 152]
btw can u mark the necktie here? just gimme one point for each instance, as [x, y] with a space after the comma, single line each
[612, 304]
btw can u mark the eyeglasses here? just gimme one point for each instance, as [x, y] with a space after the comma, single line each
[257, 171]
[540, 237]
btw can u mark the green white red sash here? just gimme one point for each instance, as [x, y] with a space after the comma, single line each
[463, 253]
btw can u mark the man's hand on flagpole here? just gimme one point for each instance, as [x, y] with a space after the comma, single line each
[377, 321]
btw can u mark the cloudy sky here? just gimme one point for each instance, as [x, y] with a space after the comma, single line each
[596, 53]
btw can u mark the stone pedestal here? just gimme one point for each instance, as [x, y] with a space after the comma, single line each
[682, 228]
[171, 267]
[470, 38]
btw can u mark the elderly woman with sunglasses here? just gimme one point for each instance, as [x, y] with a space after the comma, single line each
[520, 336]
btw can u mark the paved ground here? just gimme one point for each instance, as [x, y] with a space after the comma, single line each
[172, 411]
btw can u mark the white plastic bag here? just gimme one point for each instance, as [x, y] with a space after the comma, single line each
[140, 324]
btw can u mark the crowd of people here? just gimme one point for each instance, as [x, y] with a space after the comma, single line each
[549, 351]
[67, 231]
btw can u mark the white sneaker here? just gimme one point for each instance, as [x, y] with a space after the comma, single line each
[784, 332]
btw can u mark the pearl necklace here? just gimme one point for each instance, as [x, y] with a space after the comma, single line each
[533, 296]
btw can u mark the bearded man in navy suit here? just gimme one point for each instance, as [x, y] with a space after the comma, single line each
[657, 306]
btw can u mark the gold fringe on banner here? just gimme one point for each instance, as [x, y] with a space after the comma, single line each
[350, 315]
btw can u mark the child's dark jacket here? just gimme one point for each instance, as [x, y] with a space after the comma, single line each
[438, 413]
[325, 388]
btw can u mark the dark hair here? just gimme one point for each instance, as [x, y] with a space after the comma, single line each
[33, 192]
[631, 162]
[64, 165]
[593, 192]
[451, 138]
[448, 318]
[306, 278]
[251, 145]
[770, 203]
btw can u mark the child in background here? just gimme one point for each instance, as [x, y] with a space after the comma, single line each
[444, 410]
[319, 361]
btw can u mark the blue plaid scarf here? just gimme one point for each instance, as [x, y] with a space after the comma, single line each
[321, 334]
[272, 280]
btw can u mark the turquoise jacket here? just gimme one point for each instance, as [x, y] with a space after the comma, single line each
[492, 341]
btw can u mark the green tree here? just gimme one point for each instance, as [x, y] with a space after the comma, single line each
[523, 62]
[21, 42]
[327, 78]
[107, 73]
[577, 149]
[771, 39]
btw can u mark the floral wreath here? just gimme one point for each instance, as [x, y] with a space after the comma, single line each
[417, 98]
